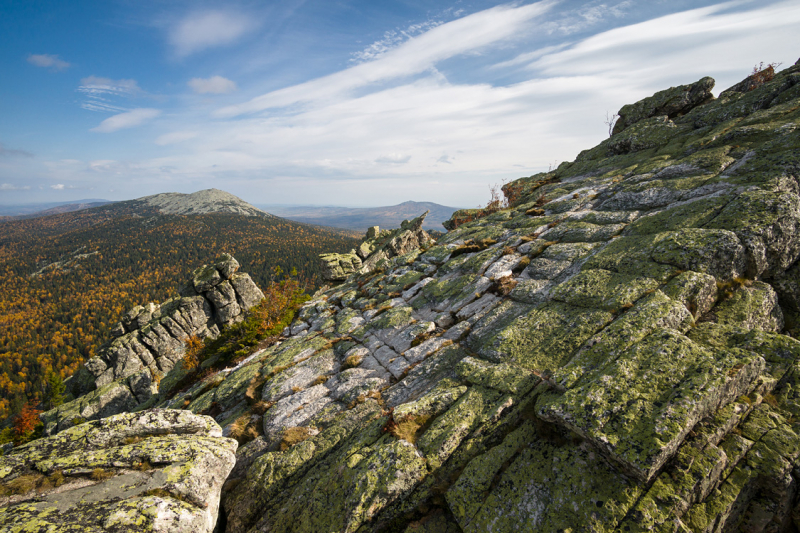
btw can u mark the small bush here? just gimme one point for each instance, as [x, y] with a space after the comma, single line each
[144, 465]
[771, 400]
[294, 436]
[259, 408]
[100, 474]
[20, 485]
[762, 75]
[503, 286]
[245, 429]
[27, 426]
[352, 361]
[193, 346]
[407, 428]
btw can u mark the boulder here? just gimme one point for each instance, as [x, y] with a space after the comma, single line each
[672, 102]
[336, 267]
[159, 470]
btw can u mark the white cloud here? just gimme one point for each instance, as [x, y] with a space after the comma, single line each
[392, 39]
[394, 159]
[58, 186]
[689, 43]
[175, 137]
[415, 56]
[213, 85]
[12, 187]
[48, 61]
[207, 29]
[129, 119]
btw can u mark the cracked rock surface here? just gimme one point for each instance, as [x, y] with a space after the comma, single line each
[614, 351]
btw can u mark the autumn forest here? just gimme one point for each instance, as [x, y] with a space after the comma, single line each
[67, 278]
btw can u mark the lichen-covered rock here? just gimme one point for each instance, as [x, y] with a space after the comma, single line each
[336, 267]
[377, 249]
[671, 102]
[158, 470]
[611, 352]
[108, 384]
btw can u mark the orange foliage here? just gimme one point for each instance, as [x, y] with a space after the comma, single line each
[25, 422]
[193, 347]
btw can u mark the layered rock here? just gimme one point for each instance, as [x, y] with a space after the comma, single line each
[376, 249]
[610, 353]
[150, 340]
[156, 471]
[607, 355]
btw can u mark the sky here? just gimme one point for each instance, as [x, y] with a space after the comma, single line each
[343, 102]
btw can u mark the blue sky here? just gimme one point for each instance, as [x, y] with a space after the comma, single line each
[347, 102]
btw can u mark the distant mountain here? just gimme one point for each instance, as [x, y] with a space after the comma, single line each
[363, 218]
[199, 203]
[49, 208]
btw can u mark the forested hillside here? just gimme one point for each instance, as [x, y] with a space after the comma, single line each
[67, 278]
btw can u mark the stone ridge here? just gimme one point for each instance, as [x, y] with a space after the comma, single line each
[609, 354]
[614, 352]
[159, 471]
[201, 202]
[149, 341]
[378, 247]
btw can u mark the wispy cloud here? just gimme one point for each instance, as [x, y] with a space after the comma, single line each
[102, 93]
[12, 187]
[392, 39]
[10, 152]
[57, 187]
[414, 56]
[212, 85]
[48, 61]
[708, 37]
[129, 119]
[206, 29]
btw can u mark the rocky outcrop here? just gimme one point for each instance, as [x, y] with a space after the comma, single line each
[376, 249]
[150, 341]
[609, 353]
[671, 103]
[606, 355]
[159, 471]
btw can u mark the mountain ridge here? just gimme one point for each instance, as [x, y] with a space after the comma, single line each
[361, 218]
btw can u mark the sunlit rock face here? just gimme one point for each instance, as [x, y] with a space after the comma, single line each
[149, 341]
[613, 351]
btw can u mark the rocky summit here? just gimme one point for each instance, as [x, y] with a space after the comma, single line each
[200, 202]
[614, 350]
